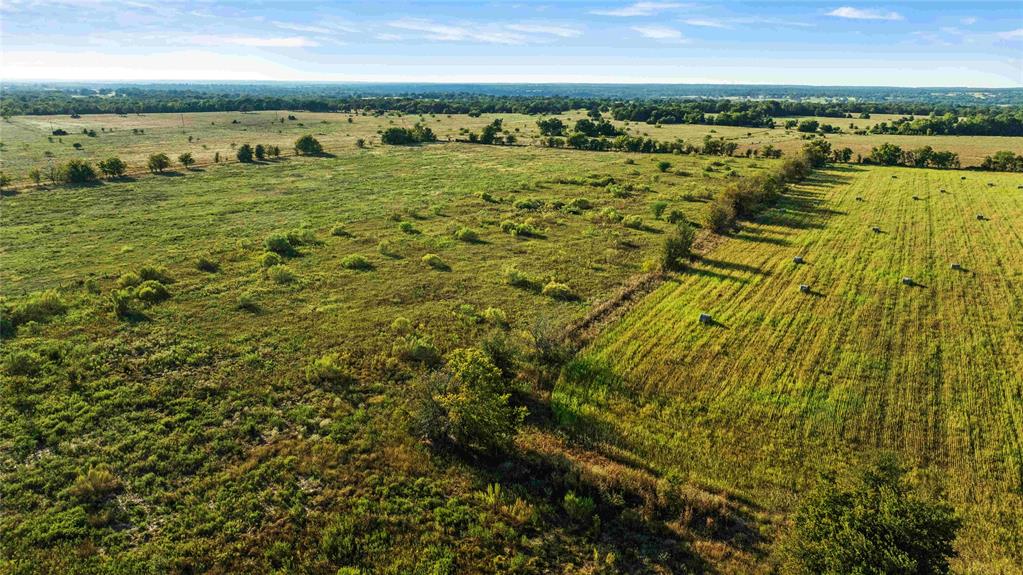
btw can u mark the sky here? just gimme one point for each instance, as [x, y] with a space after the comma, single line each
[963, 43]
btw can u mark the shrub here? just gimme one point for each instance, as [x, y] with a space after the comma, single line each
[157, 163]
[558, 291]
[579, 509]
[152, 292]
[466, 405]
[245, 154]
[401, 326]
[247, 302]
[112, 167]
[530, 204]
[388, 249]
[23, 362]
[39, 307]
[721, 216]
[340, 231]
[415, 348]
[280, 274]
[435, 262]
[260, 152]
[328, 369]
[308, 146]
[77, 172]
[302, 237]
[487, 197]
[95, 486]
[407, 228]
[608, 215]
[678, 248]
[280, 245]
[633, 222]
[657, 209]
[205, 264]
[675, 217]
[664, 165]
[496, 316]
[129, 280]
[186, 160]
[876, 525]
[581, 203]
[356, 262]
[516, 278]
[154, 273]
[467, 235]
[270, 259]
[121, 301]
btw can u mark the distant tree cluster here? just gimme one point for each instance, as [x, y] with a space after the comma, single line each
[1004, 161]
[1004, 123]
[926, 157]
[408, 136]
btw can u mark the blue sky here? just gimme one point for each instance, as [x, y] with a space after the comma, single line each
[834, 43]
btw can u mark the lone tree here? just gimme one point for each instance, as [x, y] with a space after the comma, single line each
[113, 167]
[245, 154]
[186, 160]
[308, 146]
[876, 525]
[678, 248]
[260, 152]
[77, 172]
[158, 163]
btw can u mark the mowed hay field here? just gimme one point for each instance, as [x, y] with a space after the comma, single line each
[785, 385]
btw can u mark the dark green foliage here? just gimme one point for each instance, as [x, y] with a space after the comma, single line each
[260, 152]
[186, 160]
[157, 163]
[356, 262]
[467, 405]
[77, 172]
[663, 166]
[113, 167]
[678, 248]
[721, 215]
[205, 264]
[152, 292]
[558, 291]
[551, 126]
[329, 369]
[39, 307]
[876, 525]
[245, 154]
[308, 146]
[408, 136]
[280, 245]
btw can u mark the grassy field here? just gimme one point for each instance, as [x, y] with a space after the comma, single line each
[27, 142]
[223, 455]
[785, 384]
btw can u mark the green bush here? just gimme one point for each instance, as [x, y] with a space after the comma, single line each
[308, 146]
[407, 228]
[356, 262]
[280, 245]
[270, 259]
[495, 316]
[413, 348]
[878, 524]
[608, 215]
[205, 264]
[467, 235]
[466, 405]
[340, 231]
[401, 326]
[675, 217]
[514, 277]
[23, 362]
[121, 301]
[663, 165]
[580, 509]
[487, 197]
[152, 292]
[581, 203]
[721, 216]
[558, 291]
[657, 209]
[435, 262]
[340, 543]
[633, 222]
[156, 274]
[39, 307]
[77, 172]
[280, 274]
[678, 248]
[328, 369]
[95, 486]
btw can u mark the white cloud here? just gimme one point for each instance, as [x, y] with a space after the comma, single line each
[450, 33]
[254, 41]
[560, 31]
[1016, 34]
[662, 33]
[969, 21]
[706, 23]
[639, 9]
[864, 14]
[301, 27]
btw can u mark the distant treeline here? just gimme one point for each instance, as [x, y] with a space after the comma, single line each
[937, 118]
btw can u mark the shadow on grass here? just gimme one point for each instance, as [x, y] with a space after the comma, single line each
[732, 266]
[715, 275]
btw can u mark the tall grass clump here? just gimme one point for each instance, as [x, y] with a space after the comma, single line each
[356, 262]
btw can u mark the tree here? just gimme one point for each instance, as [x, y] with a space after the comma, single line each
[551, 126]
[878, 524]
[308, 146]
[113, 167]
[158, 163]
[808, 126]
[5, 180]
[678, 247]
[186, 160]
[77, 172]
[817, 152]
[245, 154]
[887, 155]
[260, 152]
[35, 175]
[467, 405]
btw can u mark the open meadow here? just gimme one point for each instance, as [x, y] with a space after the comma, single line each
[214, 368]
[28, 141]
[784, 384]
